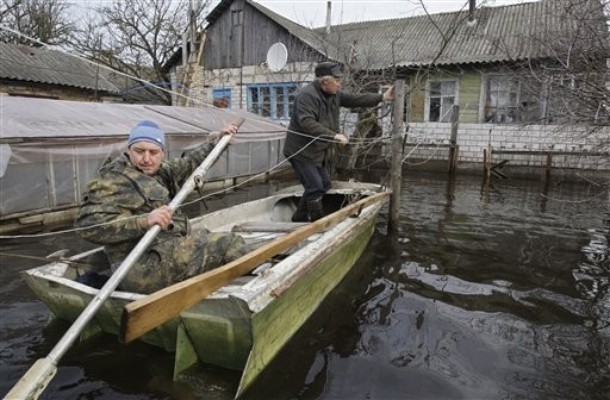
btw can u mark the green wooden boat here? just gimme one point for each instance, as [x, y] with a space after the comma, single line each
[243, 325]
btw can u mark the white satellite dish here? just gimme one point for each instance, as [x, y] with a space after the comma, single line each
[277, 55]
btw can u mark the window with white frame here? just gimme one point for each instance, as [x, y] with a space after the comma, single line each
[509, 100]
[272, 100]
[501, 99]
[442, 95]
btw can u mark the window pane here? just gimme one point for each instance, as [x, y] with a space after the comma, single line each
[513, 99]
[253, 106]
[448, 89]
[279, 102]
[493, 99]
[502, 100]
[493, 85]
[435, 109]
[292, 92]
[447, 109]
[265, 102]
[435, 88]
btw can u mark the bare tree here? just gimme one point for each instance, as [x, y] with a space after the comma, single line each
[137, 37]
[47, 21]
[566, 84]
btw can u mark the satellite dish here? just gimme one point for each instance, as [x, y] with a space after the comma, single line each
[277, 55]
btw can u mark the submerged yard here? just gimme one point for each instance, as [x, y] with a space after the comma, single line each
[497, 292]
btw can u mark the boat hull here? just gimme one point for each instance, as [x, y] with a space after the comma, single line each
[273, 327]
[55, 286]
[244, 325]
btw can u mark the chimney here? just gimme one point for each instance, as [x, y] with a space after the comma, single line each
[472, 5]
[328, 8]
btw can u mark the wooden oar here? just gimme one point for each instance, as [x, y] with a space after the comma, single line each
[143, 315]
[36, 379]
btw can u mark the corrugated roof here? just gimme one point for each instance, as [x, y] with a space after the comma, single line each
[23, 63]
[500, 33]
[32, 118]
[506, 33]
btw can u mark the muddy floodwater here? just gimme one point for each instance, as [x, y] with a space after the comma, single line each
[498, 292]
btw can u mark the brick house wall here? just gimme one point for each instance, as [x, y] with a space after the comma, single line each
[472, 139]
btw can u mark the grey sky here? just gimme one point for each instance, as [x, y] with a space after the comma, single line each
[313, 12]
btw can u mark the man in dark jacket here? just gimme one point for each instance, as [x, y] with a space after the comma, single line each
[131, 194]
[314, 125]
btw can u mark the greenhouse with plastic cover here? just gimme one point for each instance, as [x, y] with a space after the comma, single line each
[50, 149]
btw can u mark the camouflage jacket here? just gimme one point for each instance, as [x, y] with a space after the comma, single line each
[116, 202]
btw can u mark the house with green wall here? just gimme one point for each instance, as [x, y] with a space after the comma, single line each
[514, 71]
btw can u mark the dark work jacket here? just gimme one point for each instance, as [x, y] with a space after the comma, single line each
[315, 115]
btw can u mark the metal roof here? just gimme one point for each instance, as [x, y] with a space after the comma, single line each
[516, 32]
[32, 118]
[505, 33]
[40, 65]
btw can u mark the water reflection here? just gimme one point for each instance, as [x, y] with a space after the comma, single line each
[498, 292]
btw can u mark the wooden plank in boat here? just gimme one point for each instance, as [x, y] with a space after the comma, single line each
[145, 314]
[266, 226]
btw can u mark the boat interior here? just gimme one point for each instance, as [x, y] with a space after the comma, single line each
[92, 268]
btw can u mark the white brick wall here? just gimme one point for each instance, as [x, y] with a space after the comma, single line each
[473, 138]
[252, 74]
[431, 138]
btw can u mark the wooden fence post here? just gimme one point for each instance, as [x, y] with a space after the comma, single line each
[549, 165]
[453, 147]
[396, 170]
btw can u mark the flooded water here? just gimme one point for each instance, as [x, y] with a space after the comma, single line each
[485, 293]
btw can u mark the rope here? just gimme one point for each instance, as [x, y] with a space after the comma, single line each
[362, 142]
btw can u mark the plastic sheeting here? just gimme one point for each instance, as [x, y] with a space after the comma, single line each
[51, 149]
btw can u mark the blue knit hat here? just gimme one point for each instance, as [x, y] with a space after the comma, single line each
[147, 131]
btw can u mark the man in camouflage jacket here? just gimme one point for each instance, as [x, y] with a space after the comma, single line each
[131, 194]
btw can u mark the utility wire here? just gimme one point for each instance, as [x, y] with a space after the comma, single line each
[148, 83]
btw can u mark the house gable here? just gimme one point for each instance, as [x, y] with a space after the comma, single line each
[240, 33]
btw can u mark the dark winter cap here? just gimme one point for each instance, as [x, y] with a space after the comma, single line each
[328, 68]
[147, 131]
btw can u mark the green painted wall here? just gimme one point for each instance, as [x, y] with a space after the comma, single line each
[417, 98]
[469, 93]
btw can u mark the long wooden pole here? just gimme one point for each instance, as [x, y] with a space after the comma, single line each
[36, 379]
[143, 315]
[396, 170]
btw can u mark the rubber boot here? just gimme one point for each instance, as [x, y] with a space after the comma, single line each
[300, 215]
[315, 209]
